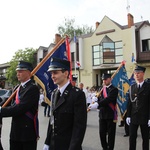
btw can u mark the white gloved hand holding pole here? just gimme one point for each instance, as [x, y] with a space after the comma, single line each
[46, 147]
[148, 123]
[128, 120]
[93, 106]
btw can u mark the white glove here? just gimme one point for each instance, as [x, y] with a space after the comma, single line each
[128, 120]
[93, 106]
[46, 147]
[148, 123]
[94, 99]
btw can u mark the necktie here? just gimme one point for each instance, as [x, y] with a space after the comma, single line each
[139, 87]
[20, 88]
[57, 96]
[104, 92]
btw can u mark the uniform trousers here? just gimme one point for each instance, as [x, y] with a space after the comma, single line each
[126, 126]
[47, 111]
[133, 135]
[107, 131]
[17, 145]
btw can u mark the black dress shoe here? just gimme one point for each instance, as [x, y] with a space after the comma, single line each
[121, 123]
[126, 135]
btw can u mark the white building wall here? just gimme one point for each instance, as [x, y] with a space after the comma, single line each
[88, 75]
[144, 33]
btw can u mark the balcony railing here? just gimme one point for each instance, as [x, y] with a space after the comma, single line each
[143, 56]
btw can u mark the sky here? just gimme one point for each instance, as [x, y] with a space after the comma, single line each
[34, 23]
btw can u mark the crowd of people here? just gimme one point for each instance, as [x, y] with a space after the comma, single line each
[69, 107]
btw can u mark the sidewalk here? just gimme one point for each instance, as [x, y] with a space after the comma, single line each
[91, 140]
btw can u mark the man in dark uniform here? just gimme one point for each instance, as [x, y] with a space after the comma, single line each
[138, 111]
[68, 112]
[108, 112]
[24, 132]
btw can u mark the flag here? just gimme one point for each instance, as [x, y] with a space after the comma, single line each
[78, 64]
[43, 78]
[75, 38]
[121, 81]
[69, 56]
[132, 79]
[132, 58]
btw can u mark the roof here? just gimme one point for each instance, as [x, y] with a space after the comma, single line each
[86, 35]
[138, 25]
[5, 65]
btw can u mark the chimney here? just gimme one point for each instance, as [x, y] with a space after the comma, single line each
[57, 38]
[130, 20]
[97, 24]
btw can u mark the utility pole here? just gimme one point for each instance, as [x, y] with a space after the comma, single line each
[128, 7]
[75, 59]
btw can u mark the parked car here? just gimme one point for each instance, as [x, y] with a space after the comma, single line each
[4, 94]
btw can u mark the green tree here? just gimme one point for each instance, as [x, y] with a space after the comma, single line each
[25, 55]
[69, 27]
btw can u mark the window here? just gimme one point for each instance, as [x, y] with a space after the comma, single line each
[119, 51]
[40, 59]
[72, 60]
[107, 52]
[97, 55]
[146, 45]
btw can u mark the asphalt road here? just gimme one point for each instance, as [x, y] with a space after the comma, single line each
[91, 140]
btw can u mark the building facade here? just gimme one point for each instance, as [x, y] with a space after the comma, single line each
[109, 45]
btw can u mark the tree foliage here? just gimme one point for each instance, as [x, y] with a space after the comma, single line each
[25, 55]
[68, 28]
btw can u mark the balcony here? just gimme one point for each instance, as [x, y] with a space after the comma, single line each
[143, 57]
[108, 57]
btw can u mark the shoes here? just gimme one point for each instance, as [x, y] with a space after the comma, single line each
[48, 115]
[126, 135]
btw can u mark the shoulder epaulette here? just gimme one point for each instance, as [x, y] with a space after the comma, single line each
[76, 88]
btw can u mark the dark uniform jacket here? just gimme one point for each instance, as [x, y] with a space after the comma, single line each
[22, 127]
[139, 104]
[106, 111]
[70, 117]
